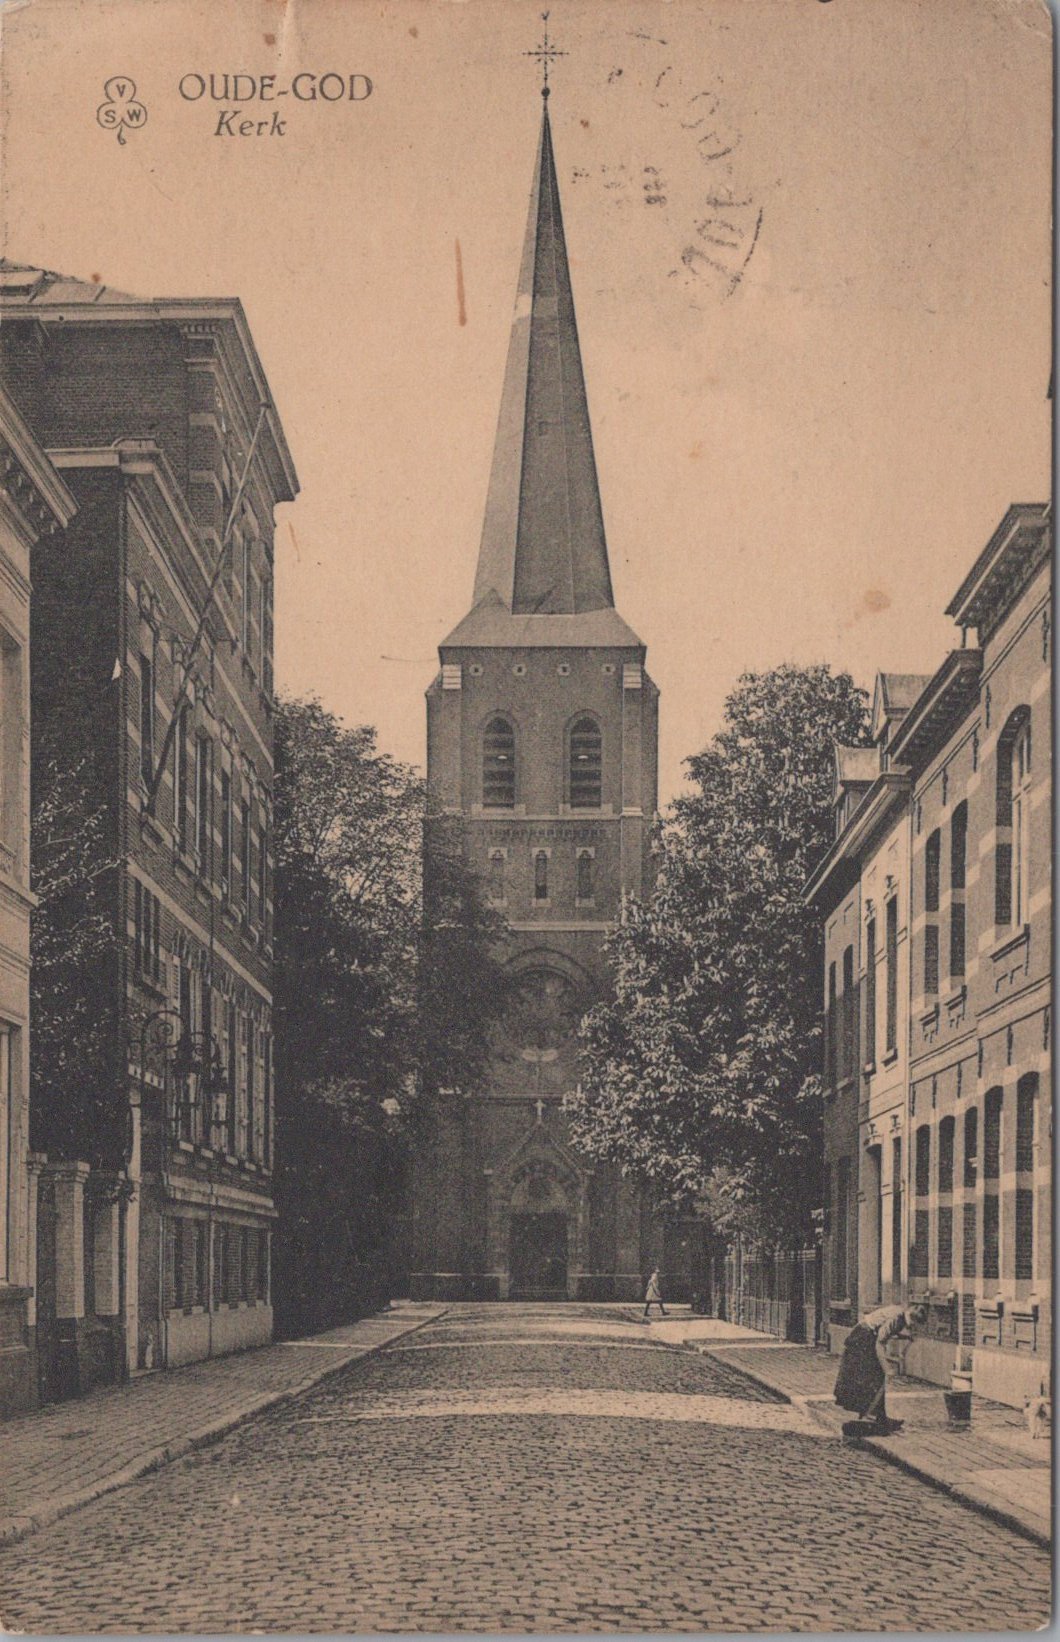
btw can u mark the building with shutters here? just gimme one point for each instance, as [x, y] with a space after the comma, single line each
[936, 905]
[542, 750]
[152, 682]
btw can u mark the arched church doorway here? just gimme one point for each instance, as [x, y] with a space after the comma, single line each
[537, 1256]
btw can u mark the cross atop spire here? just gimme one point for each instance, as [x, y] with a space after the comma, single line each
[545, 53]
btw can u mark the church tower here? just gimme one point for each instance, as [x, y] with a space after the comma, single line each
[542, 729]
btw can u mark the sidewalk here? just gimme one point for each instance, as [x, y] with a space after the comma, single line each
[995, 1466]
[70, 1453]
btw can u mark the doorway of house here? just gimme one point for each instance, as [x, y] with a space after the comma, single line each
[537, 1257]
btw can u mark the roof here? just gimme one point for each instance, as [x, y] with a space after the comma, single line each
[1015, 550]
[42, 288]
[895, 693]
[543, 550]
[53, 298]
[940, 706]
[493, 626]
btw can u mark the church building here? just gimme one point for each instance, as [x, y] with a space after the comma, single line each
[542, 729]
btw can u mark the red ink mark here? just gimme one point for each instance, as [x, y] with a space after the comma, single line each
[876, 600]
[270, 39]
[461, 305]
[585, 125]
[96, 278]
[414, 31]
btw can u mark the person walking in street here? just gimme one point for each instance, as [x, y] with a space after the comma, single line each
[653, 1294]
[862, 1378]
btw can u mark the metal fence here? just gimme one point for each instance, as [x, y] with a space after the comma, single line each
[775, 1292]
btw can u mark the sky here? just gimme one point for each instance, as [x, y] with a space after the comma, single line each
[810, 251]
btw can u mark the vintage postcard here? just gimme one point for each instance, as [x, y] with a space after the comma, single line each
[526, 654]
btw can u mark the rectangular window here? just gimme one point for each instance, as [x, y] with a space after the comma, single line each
[959, 846]
[245, 846]
[266, 1098]
[850, 1017]
[918, 1254]
[932, 855]
[180, 780]
[945, 1263]
[1026, 1101]
[992, 1134]
[957, 940]
[233, 1079]
[968, 1261]
[263, 1266]
[870, 993]
[923, 1160]
[248, 1027]
[1003, 882]
[830, 1030]
[892, 975]
[147, 719]
[263, 869]
[226, 832]
[931, 959]
[203, 805]
[178, 1264]
[246, 593]
[266, 636]
[896, 1212]
[971, 1146]
[1024, 1234]
[147, 944]
[990, 1235]
[945, 1166]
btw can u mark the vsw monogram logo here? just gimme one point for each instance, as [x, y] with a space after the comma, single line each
[121, 108]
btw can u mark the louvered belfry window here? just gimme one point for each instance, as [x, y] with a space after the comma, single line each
[498, 765]
[586, 765]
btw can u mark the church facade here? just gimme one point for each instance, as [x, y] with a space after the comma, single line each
[542, 750]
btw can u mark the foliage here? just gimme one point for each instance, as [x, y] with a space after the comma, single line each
[375, 995]
[73, 953]
[700, 1071]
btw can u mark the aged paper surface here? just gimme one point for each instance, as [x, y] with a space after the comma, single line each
[804, 417]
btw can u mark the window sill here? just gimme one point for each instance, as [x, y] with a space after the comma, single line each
[890, 1057]
[868, 1069]
[153, 988]
[1011, 943]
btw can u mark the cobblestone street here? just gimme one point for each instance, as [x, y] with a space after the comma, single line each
[526, 1469]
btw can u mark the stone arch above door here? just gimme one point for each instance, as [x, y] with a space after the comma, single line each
[540, 1176]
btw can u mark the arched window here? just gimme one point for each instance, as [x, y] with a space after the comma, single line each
[541, 876]
[586, 765]
[498, 765]
[1012, 858]
[958, 876]
[585, 876]
[496, 879]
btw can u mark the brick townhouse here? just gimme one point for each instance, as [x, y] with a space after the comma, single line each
[152, 635]
[35, 506]
[936, 905]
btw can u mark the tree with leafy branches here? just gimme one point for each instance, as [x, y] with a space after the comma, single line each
[700, 1071]
[380, 990]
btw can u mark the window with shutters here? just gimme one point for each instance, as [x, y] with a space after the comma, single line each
[896, 1211]
[147, 716]
[226, 832]
[181, 793]
[891, 961]
[1012, 850]
[585, 765]
[971, 1146]
[992, 1134]
[958, 875]
[870, 993]
[498, 765]
[945, 1160]
[830, 1029]
[850, 1016]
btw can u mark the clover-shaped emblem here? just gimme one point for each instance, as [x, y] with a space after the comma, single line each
[121, 108]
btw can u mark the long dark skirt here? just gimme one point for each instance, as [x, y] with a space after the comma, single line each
[860, 1371]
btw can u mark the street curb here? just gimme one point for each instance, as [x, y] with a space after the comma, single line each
[27, 1523]
[900, 1461]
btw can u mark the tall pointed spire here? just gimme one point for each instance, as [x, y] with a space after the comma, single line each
[543, 549]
